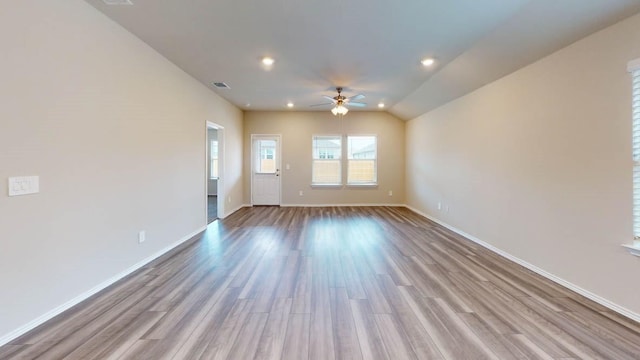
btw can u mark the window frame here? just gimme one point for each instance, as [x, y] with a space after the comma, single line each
[211, 160]
[265, 153]
[373, 183]
[326, 158]
[634, 69]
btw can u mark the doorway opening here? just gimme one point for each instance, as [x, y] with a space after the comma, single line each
[214, 172]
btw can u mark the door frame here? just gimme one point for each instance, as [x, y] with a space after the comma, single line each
[221, 162]
[278, 163]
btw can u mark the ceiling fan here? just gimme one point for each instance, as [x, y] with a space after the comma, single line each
[341, 102]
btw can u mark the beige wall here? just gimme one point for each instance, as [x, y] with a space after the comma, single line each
[538, 164]
[116, 134]
[297, 128]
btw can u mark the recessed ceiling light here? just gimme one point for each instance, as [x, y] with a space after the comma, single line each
[428, 61]
[289, 104]
[267, 61]
[381, 105]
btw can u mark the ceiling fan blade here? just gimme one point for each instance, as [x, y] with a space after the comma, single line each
[329, 98]
[356, 104]
[356, 97]
[325, 104]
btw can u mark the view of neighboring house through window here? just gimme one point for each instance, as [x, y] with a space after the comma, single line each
[362, 160]
[213, 166]
[327, 163]
[266, 163]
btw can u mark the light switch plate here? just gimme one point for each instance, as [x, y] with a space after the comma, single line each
[24, 185]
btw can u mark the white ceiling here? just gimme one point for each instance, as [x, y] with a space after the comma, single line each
[373, 47]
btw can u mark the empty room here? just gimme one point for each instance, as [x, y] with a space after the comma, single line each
[452, 180]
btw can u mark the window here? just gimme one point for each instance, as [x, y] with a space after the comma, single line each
[362, 160]
[213, 155]
[327, 160]
[634, 68]
[266, 162]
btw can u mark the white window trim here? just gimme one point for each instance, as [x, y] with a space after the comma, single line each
[211, 159]
[634, 249]
[327, 186]
[634, 68]
[341, 159]
[361, 185]
[633, 65]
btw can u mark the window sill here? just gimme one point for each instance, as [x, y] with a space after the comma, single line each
[327, 186]
[634, 249]
[362, 185]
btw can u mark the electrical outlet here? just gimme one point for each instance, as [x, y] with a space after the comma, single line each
[439, 205]
[229, 199]
[390, 193]
[301, 193]
[142, 236]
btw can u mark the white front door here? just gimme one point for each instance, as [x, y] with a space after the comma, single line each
[265, 172]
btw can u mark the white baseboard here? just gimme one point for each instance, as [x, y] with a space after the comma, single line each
[227, 214]
[340, 205]
[78, 299]
[589, 295]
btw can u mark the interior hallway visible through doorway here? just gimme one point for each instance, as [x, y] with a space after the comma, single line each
[212, 206]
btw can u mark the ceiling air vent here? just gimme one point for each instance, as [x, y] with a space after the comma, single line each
[118, 2]
[221, 85]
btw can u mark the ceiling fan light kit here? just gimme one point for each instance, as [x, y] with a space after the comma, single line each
[339, 110]
[341, 102]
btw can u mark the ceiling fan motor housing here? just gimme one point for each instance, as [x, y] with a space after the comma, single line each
[340, 99]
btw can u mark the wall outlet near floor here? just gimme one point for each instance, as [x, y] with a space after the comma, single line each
[142, 236]
[439, 205]
[390, 193]
[301, 193]
[229, 199]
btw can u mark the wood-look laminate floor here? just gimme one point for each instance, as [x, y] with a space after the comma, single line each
[325, 283]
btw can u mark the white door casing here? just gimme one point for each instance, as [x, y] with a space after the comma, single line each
[265, 169]
[221, 166]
